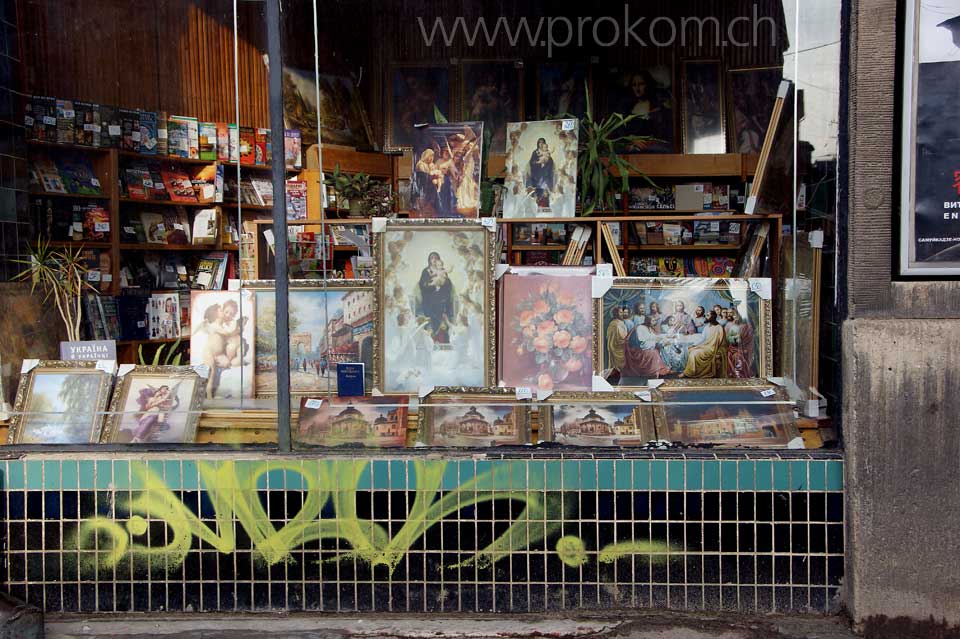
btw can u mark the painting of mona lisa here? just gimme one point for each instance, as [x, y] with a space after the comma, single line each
[435, 304]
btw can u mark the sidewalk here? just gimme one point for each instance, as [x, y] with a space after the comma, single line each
[611, 625]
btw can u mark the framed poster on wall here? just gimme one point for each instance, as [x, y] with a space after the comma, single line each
[930, 143]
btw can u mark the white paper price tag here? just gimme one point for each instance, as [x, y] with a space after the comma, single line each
[313, 403]
[202, 370]
[768, 393]
[49, 120]
[69, 113]
[113, 129]
[698, 188]
[28, 121]
[489, 223]
[604, 270]
[106, 277]
[78, 227]
[523, 392]
[96, 128]
[93, 276]
[161, 134]
[761, 286]
[124, 369]
[816, 239]
[135, 136]
[177, 227]
[569, 125]
[88, 127]
[129, 230]
[108, 366]
[101, 227]
[141, 324]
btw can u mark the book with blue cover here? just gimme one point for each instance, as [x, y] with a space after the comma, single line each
[349, 379]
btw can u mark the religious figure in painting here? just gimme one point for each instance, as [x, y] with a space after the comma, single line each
[739, 347]
[541, 175]
[436, 298]
[617, 338]
[154, 404]
[642, 356]
[709, 357]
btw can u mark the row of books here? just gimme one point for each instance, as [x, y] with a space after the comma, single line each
[85, 123]
[172, 227]
[687, 232]
[62, 220]
[136, 315]
[70, 173]
[159, 181]
[680, 266]
[150, 271]
[694, 196]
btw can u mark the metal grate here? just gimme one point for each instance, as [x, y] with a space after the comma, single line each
[408, 534]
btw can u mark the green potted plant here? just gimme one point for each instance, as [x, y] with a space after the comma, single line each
[379, 199]
[61, 274]
[599, 164]
[352, 188]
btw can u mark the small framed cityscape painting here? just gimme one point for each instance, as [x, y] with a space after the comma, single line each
[750, 412]
[596, 419]
[473, 417]
[371, 421]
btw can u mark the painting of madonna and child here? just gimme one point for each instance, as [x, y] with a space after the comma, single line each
[541, 168]
[446, 170]
[435, 308]
[221, 329]
[371, 421]
[682, 328]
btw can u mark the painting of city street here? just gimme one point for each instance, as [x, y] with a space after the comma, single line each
[597, 423]
[371, 421]
[327, 327]
[474, 421]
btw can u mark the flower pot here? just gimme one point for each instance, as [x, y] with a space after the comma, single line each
[356, 209]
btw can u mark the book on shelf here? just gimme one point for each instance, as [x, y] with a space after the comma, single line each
[134, 182]
[154, 228]
[163, 316]
[176, 224]
[92, 319]
[148, 132]
[205, 183]
[207, 140]
[41, 118]
[264, 191]
[78, 176]
[670, 266]
[248, 144]
[751, 264]
[86, 123]
[296, 200]
[261, 148]
[163, 142]
[206, 227]
[363, 266]
[130, 127]
[223, 142]
[45, 175]
[183, 137]
[107, 306]
[179, 185]
[96, 223]
[210, 271]
[111, 129]
[66, 122]
[233, 133]
[132, 316]
[292, 155]
[132, 232]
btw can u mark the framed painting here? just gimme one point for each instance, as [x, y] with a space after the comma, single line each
[562, 89]
[664, 328]
[646, 92]
[752, 94]
[492, 91]
[749, 412]
[546, 330]
[704, 129]
[60, 402]
[371, 421]
[155, 405]
[435, 304]
[596, 419]
[412, 92]
[330, 321]
[541, 168]
[473, 417]
[343, 119]
[221, 330]
[446, 170]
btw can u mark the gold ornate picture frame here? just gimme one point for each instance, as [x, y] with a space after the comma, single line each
[155, 405]
[435, 305]
[751, 412]
[468, 417]
[315, 348]
[596, 419]
[657, 339]
[58, 397]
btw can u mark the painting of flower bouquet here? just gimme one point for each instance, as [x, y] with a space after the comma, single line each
[547, 332]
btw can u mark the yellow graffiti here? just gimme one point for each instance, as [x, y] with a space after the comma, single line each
[656, 550]
[232, 488]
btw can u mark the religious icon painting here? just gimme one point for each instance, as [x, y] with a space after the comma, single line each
[473, 417]
[693, 328]
[222, 338]
[648, 94]
[546, 332]
[413, 91]
[446, 170]
[562, 89]
[596, 419]
[541, 169]
[492, 91]
[371, 421]
[155, 405]
[752, 93]
[435, 297]
[59, 402]
[748, 412]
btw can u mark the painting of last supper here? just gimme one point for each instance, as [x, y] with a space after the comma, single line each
[663, 328]
[435, 305]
